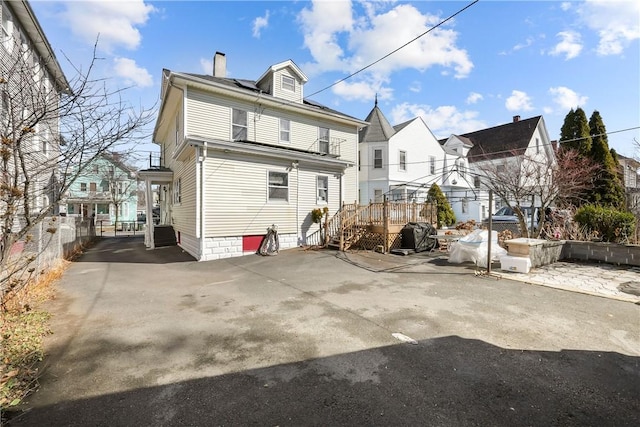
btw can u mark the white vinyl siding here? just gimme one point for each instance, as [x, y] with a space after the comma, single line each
[183, 213]
[233, 178]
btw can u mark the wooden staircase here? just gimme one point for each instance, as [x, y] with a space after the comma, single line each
[353, 221]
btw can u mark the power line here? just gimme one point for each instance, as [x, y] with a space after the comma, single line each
[551, 143]
[396, 50]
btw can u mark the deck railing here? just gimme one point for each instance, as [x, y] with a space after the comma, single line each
[353, 219]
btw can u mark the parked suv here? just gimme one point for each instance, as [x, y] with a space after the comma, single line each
[506, 214]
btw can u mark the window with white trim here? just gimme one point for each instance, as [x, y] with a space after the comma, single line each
[402, 161]
[239, 125]
[177, 191]
[288, 83]
[377, 158]
[83, 186]
[323, 140]
[465, 205]
[6, 29]
[378, 196]
[278, 186]
[322, 185]
[476, 181]
[432, 165]
[285, 130]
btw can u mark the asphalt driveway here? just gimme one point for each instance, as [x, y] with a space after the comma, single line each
[307, 338]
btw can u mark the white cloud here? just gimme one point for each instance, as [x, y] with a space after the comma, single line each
[416, 87]
[566, 99]
[259, 24]
[340, 41]
[565, 6]
[206, 65]
[473, 98]
[518, 101]
[115, 22]
[528, 42]
[570, 45]
[128, 70]
[443, 121]
[362, 91]
[615, 22]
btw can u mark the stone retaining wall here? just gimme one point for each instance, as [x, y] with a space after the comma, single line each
[611, 253]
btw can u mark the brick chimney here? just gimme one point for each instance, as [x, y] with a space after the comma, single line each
[219, 65]
[516, 119]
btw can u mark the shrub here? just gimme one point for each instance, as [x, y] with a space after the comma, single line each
[611, 225]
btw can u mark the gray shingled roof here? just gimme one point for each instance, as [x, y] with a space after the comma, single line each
[379, 129]
[251, 86]
[500, 141]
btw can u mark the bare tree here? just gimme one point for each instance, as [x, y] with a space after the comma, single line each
[525, 178]
[49, 134]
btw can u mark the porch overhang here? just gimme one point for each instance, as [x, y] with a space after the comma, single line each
[263, 150]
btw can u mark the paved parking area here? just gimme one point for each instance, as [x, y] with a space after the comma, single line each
[320, 338]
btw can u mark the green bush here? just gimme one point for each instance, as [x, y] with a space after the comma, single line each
[611, 225]
[445, 213]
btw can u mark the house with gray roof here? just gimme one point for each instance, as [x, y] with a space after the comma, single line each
[520, 141]
[400, 162]
[239, 155]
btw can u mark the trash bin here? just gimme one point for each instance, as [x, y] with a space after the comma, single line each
[416, 236]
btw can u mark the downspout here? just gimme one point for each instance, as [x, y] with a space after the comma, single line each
[202, 156]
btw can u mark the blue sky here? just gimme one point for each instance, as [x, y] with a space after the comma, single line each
[495, 60]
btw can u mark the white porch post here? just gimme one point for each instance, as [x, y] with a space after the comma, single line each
[148, 230]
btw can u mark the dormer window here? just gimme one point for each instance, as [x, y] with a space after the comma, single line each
[288, 83]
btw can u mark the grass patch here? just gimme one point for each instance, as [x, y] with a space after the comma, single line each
[23, 327]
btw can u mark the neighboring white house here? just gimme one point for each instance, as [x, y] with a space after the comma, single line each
[630, 175]
[518, 142]
[400, 162]
[240, 155]
[31, 82]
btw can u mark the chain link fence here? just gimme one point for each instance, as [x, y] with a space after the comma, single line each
[54, 239]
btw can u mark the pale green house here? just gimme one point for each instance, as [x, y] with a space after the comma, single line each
[106, 189]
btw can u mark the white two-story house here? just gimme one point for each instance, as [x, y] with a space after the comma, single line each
[520, 146]
[240, 155]
[400, 162]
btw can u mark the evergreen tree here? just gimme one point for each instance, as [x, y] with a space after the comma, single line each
[575, 131]
[608, 189]
[445, 213]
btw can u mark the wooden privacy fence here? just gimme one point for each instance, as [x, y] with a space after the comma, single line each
[377, 224]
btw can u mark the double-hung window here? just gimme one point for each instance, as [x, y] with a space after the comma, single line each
[323, 140]
[322, 184]
[432, 165]
[377, 158]
[402, 163]
[288, 83]
[239, 125]
[177, 191]
[278, 186]
[83, 186]
[285, 130]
